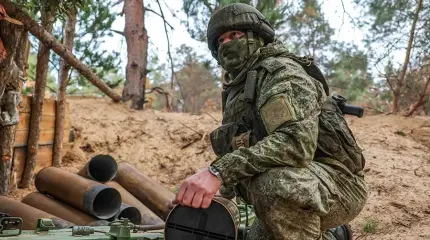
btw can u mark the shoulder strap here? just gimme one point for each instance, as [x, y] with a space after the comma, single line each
[309, 65]
[224, 95]
[249, 97]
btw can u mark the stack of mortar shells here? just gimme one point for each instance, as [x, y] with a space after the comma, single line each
[101, 192]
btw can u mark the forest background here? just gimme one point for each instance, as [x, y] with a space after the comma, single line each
[374, 52]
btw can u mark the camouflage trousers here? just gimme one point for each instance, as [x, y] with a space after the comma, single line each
[302, 203]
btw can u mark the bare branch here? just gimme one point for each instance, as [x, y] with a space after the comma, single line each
[168, 45]
[118, 32]
[51, 89]
[160, 90]
[389, 82]
[162, 16]
[407, 58]
[54, 65]
[170, 10]
[344, 11]
[117, 3]
[70, 77]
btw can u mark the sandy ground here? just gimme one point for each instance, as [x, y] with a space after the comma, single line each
[170, 146]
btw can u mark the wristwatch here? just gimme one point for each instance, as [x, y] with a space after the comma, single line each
[215, 172]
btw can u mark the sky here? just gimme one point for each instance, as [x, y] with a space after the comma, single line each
[334, 12]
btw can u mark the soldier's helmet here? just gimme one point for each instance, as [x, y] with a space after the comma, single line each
[241, 17]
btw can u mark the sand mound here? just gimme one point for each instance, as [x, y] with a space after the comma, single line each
[398, 175]
[165, 146]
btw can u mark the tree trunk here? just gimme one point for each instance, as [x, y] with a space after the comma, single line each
[14, 38]
[401, 80]
[137, 44]
[63, 78]
[58, 48]
[43, 55]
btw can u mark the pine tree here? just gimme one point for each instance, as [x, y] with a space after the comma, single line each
[200, 11]
[398, 27]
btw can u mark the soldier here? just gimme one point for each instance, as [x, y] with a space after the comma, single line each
[284, 146]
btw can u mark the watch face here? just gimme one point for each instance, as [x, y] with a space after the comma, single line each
[214, 171]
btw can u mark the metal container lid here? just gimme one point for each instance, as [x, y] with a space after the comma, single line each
[219, 221]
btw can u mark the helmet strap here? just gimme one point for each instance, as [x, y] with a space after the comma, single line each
[252, 46]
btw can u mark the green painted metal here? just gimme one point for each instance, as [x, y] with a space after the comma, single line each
[117, 230]
[11, 228]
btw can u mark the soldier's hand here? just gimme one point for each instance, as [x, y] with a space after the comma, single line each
[198, 190]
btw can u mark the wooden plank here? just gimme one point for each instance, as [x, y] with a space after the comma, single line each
[46, 137]
[47, 121]
[43, 160]
[48, 106]
[47, 125]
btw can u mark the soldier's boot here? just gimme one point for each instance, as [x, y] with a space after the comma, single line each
[342, 232]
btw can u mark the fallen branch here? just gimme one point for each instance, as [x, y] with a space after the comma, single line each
[201, 135]
[34, 28]
[420, 100]
[190, 143]
[212, 117]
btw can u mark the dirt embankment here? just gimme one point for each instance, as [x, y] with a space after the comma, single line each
[165, 146]
[170, 146]
[398, 175]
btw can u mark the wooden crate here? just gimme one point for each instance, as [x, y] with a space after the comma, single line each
[46, 137]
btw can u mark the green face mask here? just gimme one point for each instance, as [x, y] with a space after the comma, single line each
[233, 55]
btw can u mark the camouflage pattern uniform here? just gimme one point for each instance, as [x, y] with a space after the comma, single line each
[294, 195]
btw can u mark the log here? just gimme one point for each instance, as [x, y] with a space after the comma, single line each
[43, 55]
[63, 76]
[47, 38]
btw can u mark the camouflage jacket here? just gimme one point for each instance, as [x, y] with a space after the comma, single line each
[288, 101]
